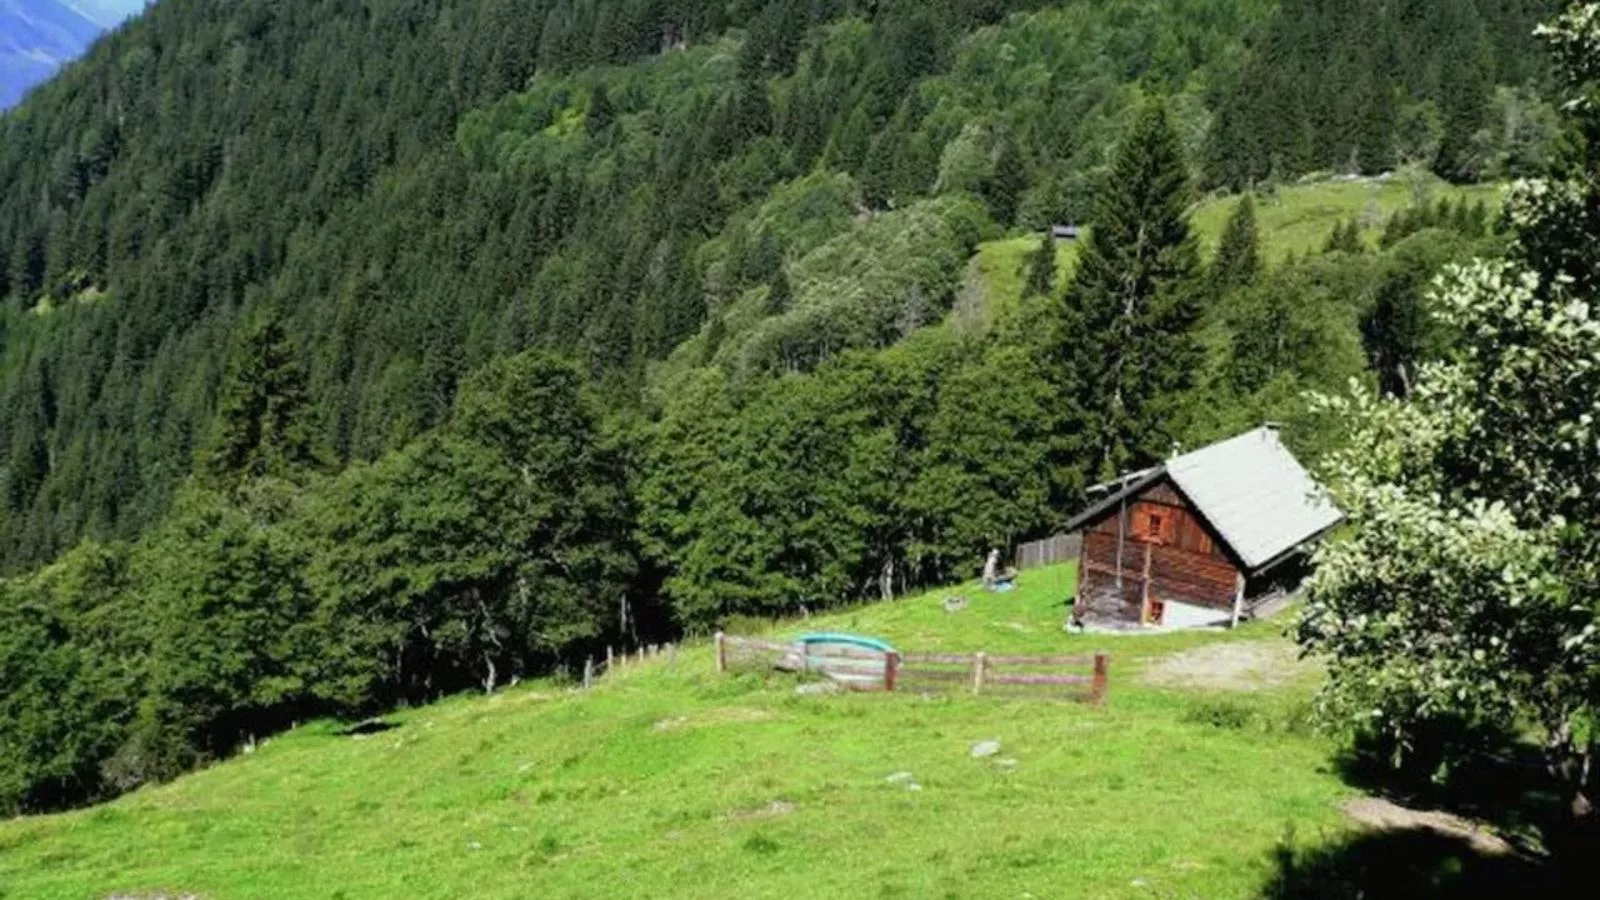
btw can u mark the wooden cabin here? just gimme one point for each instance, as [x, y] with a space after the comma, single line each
[1201, 540]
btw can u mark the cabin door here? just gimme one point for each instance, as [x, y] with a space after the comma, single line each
[1152, 610]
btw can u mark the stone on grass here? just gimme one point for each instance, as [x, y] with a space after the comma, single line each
[984, 749]
[817, 687]
[900, 777]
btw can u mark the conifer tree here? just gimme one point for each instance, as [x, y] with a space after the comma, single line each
[1128, 346]
[779, 295]
[1346, 238]
[1042, 268]
[600, 114]
[1003, 190]
[260, 426]
[1238, 259]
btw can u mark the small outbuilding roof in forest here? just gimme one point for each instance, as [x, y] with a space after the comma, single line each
[1251, 490]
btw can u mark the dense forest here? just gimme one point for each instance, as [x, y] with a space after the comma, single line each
[356, 353]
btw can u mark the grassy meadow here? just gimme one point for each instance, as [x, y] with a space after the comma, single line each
[1292, 220]
[667, 779]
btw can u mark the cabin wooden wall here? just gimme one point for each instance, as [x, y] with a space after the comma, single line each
[1168, 555]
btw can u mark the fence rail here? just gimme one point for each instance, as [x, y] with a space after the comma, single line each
[1059, 549]
[866, 670]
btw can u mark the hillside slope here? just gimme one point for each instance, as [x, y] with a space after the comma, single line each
[418, 187]
[670, 780]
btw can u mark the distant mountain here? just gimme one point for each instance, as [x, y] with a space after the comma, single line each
[38, 37]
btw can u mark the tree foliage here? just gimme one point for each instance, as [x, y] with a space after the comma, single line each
[1238, 259]
[1465, 589]
[1134, 302]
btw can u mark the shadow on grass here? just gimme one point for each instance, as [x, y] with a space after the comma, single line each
[1409, 864]
[369, 726]
[1479, 775]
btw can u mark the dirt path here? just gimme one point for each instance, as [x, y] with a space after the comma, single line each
[1382, 815]
[1231, 666]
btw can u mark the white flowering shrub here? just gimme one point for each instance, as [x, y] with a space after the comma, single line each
[1468, 584]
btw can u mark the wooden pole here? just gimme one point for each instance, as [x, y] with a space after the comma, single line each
[980, 662]
[1144, 602]
[722, 653]
[672, 655]
[891, 667]
[1238, 601]
[588, 672]
[1097, 691]
[608, 657]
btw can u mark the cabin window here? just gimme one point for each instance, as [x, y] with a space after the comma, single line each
[1152, 527]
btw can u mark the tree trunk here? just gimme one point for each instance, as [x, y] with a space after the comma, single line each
[1572, 765]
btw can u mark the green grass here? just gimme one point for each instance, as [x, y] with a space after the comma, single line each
[675, 781]
[1298, 219]
[1291, 220]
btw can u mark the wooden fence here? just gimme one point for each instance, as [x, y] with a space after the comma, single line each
[1080, 678]
[1059, 549]
[594, 668]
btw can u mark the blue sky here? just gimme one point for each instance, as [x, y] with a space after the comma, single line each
[38, 37]
[107, 12]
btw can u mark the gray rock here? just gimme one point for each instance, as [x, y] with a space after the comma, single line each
[984, 749]
[818, 687]
[1008, 764]
[900, 777]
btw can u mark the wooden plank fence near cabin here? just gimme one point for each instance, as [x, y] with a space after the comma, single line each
[1083, 678]
[1050, 551]
[983, 673]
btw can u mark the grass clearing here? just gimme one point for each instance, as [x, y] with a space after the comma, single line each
[675, 781]
[1299, 218]
[1296, 219]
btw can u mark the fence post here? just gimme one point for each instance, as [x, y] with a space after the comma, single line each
[672, 656]
[608, 657]
[980, 662]
[722, 653]
[588, 672]
[641, 653]
[1097, 692]
[891, 667]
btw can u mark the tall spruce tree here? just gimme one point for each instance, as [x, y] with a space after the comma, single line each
[1042, 268]
[260, 427]
[1238, 259]
[1128, 346]
[1345, 238]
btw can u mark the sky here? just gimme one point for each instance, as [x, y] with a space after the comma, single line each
[107, 12]
[38, 37]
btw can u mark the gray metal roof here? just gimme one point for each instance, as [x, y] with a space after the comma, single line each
[1252, 491]
[1255, 494]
